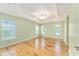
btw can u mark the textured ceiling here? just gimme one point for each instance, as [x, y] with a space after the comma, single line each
[57, 11]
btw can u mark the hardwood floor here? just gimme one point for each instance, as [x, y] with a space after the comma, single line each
[53, 47]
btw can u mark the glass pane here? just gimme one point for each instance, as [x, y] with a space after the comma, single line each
[43, 30]
[8, 29]
[6, 22]
[58, 30]
[37, 29]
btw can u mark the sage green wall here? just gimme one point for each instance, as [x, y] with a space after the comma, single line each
[25, 29]
[73, 29]
[50, 29]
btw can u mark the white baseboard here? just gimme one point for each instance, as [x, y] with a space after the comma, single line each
[54, 37]
[27, 39]
[16, 42]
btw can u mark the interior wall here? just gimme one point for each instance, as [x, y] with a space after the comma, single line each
[50, 30]
[73, 29]
[25, 29]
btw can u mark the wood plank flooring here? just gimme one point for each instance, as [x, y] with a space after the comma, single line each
[53, 47]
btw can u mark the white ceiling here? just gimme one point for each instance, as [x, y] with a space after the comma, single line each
[57, 11]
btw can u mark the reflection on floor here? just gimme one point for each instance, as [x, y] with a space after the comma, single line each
[37, 47]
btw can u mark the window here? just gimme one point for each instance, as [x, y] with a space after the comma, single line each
[58, 30]
[37, 29]
[8, 29]
[43, 30]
